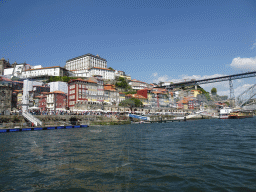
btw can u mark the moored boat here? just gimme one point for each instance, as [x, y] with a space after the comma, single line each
[224, 113]
[240, 114]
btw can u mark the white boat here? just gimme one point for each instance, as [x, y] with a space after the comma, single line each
[224, 113]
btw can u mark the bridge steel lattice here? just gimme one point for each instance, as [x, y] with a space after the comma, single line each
[244, 97]
[212, 80]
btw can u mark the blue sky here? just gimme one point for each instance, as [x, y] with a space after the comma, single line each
[150, 40]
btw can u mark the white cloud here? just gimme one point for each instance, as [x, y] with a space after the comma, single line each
[164, 78]
[253, 45]
[244, 63]
[196, 77]
[155, 74]
[237, 91]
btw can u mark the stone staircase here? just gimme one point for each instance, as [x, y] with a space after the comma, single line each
[31, 118]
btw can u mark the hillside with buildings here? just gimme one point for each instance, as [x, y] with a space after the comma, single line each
[86, 83]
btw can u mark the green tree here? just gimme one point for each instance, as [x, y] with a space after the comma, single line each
[122, 83]
[111, 68]
[214, 91]
[227, 103]
[205, 93]
[131, 103]
[66, 79]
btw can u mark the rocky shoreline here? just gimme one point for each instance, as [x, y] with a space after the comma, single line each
[17, 121]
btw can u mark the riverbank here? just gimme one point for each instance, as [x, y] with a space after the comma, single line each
[17, 121]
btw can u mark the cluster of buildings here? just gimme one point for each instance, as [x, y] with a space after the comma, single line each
[91, 87]
[83, 66]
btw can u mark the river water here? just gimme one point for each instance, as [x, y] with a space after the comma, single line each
[203, 155]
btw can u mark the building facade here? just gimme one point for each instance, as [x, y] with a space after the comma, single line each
[5, 97]
[104, 72]
[86, 61]
[42, 100]
[46, 71]
[56, 101]
[95, 71]
[100, 88]
[137, 85]
[3, 65]
[77, 92]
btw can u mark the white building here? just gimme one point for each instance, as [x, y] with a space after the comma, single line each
[104, 72]
[16, 69]
[87, 61]
[137, 85]
[28, 86]
[8, 72]
[58, 86]
[95, 71]
[80, 73]
[46, 71]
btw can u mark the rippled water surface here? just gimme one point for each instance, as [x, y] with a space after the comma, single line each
[204, 155]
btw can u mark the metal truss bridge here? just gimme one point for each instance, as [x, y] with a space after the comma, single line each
[246, 96]
[213, 80]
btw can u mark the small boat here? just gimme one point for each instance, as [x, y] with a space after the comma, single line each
[240, 114]
[224, 113]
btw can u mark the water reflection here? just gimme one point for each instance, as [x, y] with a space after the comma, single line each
[187, 156]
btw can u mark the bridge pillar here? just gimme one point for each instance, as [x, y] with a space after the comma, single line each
[232, 95]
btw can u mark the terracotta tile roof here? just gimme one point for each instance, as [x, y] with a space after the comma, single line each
[182, 101]
[108, 88]
[135, 96]
[40, 97]
[139, 96]
[129, 95]
[57, 92]
[78, 79]
[156, 92]
[90, 81]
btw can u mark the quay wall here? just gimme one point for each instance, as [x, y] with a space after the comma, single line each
[18, 121]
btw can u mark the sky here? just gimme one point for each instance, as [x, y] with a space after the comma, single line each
[167, 40]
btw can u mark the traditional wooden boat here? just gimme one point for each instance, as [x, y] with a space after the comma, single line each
[240, 114]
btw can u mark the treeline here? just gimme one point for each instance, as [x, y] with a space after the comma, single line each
[60, 78]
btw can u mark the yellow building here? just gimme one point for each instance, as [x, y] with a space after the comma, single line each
[196, 92]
